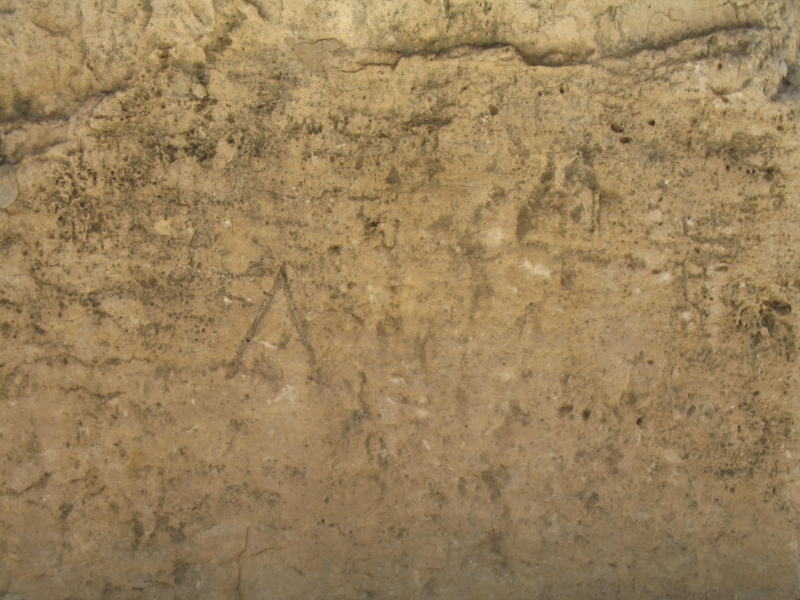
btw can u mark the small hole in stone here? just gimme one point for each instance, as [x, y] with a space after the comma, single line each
[640, 421]
[625, 140]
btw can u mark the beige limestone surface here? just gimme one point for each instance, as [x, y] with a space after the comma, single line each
[403, 299]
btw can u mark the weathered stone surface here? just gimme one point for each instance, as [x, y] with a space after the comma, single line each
[460, 300]
[58, 54]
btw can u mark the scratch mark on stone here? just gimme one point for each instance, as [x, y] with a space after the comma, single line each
[281, 279]
[236, 363]
[295, 317]
[239, 564]
[595, 225]
[420, 350]
[263, 551]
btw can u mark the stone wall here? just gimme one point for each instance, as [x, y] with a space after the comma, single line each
[404, 299]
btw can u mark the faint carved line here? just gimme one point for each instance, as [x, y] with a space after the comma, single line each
[295, 317]
[595, 226]
[283, 279]
[251, 333]
[239, 564]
